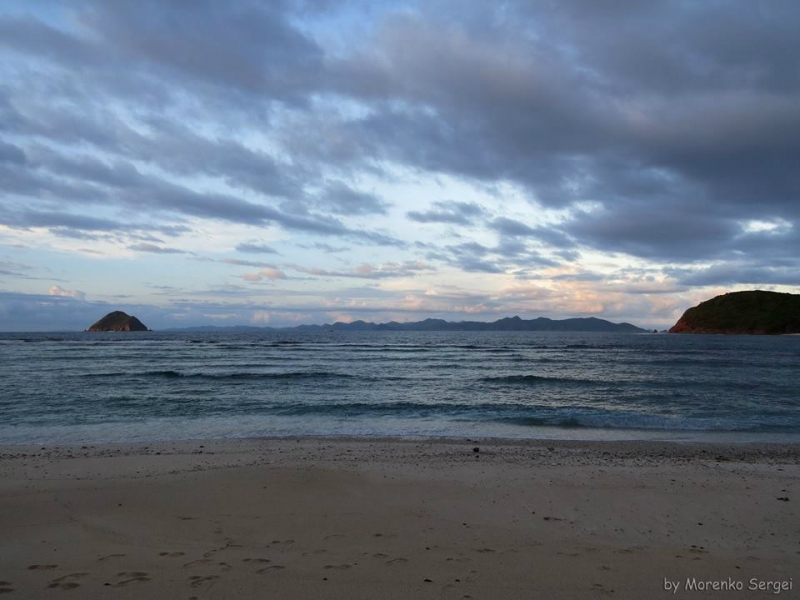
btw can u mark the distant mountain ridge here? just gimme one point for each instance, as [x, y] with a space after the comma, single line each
[751, 312]
[505, 324]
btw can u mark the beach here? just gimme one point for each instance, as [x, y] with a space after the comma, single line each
[399, 518]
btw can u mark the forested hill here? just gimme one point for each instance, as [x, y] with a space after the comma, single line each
[754, 312]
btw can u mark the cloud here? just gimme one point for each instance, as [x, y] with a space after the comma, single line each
[57, 290]
[59, 220]
[736, 273]
[9, 153]
[343, 200]
[255, 248]
[155, 249]
[327, 248]
[512, 227]
[14, 269]
[452, 212]
[259, 51]
[471, 257]
[267, 273]
[372, 271]
[244, 263]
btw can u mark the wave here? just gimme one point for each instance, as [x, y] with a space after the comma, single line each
[532, 380]
[286, 375]
[642, 422]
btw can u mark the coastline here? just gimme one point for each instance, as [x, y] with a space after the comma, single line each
[396, 518]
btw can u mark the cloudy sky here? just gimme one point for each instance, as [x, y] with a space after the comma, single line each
[284, 162]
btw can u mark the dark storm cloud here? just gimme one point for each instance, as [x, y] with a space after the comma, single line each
[63, 220]
[627, 110]
[9, 153]
[677, 122]
[452, 212]
[737, 273]
[31, 36]
[655, 233]
[123, 185]
[157, 45]
[76, 225]
[512, 227]
[246, 47]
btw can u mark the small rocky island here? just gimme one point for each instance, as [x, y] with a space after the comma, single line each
[118, 321]
[754, 312]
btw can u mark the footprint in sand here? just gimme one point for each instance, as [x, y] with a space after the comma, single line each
[42, 567]
[170, 554]
[270, 568]
[199, 563]
[228, 544]
[110, 556]
[132, 577]
[208, 562]
[256, 560]
[198, 580]
[599, 587]
[66, 582]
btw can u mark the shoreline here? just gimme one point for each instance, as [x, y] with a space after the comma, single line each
[396, 518]
[691, 446]
[123, 435]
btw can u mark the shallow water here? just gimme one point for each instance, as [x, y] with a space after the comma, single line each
[82, 387]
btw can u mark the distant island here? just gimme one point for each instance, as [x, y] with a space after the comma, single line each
[505, 324]
[118, 321]
[754, 312]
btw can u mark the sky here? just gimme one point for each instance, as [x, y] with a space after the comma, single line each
[308, 161]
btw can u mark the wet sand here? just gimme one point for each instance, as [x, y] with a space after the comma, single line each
[364, 518]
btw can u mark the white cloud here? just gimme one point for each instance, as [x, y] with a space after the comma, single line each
[57, 290]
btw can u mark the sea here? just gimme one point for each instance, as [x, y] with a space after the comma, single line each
[78, 388]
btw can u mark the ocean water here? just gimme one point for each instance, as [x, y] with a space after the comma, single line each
[118, 387]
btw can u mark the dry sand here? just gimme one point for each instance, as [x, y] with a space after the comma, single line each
[351, 519]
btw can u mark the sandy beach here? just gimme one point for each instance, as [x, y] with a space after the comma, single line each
[369, 518]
